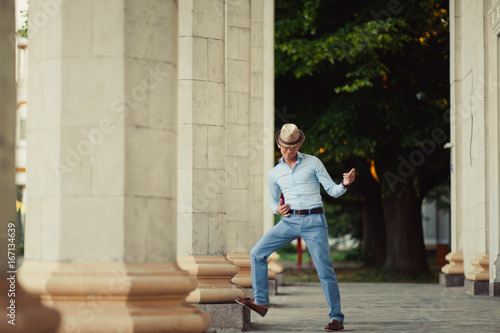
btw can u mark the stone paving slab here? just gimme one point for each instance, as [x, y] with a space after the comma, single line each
[380, 307]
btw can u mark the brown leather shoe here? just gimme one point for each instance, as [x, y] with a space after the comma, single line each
[334, 326]
[249, 303]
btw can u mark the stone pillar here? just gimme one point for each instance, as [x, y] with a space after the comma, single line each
[256, 121]
[261, 116]
[21, 311]
[494, 152]
[456, 153]
[202, 229]
[237, 203]
[268, 108]
[101, 169]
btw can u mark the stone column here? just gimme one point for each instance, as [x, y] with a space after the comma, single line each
[455, 277]
[268, 108]
[268, 131]
[256, 121]
[261, 117]
[238, 144]
[202, 161]
[101, 169]
[494, 152]
[21, 311]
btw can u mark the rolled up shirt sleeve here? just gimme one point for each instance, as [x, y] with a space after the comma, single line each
[333, 189]
[275, 193]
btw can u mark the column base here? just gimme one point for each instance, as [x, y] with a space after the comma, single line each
[250, 293]
[214, 274]
[280, 278]
[27, 314]
[273, 287]
[495, 289]
[244, 276]
[227, 315]
[481, 272]
[273, 263]
[456, 263]
[480, 288]
[451, 280]
[112, 297]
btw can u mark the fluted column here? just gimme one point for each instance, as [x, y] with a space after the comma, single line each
[21, 312]
[101, 169]
[202, 151]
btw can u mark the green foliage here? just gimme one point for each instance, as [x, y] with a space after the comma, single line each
[343, 220]
[365, 79]
[349, 255]
[441, 196]
[364, 275]
[23, 32]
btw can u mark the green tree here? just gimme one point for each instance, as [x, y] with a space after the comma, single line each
[368, 81]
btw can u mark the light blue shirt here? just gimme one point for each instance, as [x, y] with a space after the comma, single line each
[300, 185]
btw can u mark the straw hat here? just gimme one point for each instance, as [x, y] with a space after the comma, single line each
[290, 136]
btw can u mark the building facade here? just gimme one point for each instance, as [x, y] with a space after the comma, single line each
[475, 147]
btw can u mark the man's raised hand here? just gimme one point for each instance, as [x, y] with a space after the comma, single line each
[349, 177]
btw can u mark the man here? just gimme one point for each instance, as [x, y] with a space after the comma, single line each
[297, 177]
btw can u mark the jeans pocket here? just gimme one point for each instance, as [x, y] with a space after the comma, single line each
[324, 221]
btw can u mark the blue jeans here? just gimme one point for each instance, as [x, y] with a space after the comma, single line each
[314, 231]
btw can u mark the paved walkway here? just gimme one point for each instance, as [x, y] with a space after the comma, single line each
[380, 307]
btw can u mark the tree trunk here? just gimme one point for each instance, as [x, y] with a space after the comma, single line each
[404, 233]
[374, 243]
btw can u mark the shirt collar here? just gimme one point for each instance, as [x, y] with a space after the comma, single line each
[300, 156]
